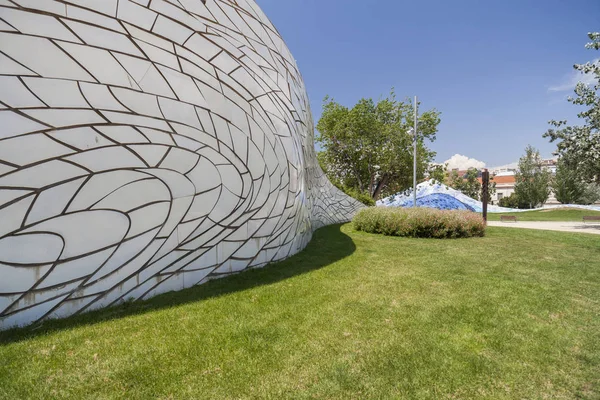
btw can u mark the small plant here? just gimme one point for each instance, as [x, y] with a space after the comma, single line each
[419, 222]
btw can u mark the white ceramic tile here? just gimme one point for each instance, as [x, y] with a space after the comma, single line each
[92, 17]
[12, 216]
[16, 95]
[171, 30]
[199, 45]
[179, 208]
[7, 300]
[205, 176]
[64, 118]
[108, 7]
[192, 278]
[31, 314]
[139, 103]
[183, 261]
[186, 143]
[158, 55]
[157, 137]
[167, 284]
[203, 204]
[153, 82]
[100, 63]
[151, 154]
[101, 185]
[194, 133]
[39, 147]
[104, 38]
[81, 138]
[231, 178]
[174, 11]
[57, 92]
[225, 206]
[134, 195]
[179, 112]
[180, 160]
[149, 37]
[126, 252]
[122, 134]
[7, 196]
[135, 120]
[40, 296]
[100, 97]
[37, 24]
[206, 121]
[212, 149]
[77, 268]
[42, 175]
[41, 56]
[37, 248]
[136, 14]
[184, 87]
[102, 228]
[70, 306]
[200, 74]
[179, 185]
[50, 6]
[186, 227]
[196, 7]
[148, 218]
[225, 63]
[14, 124]
[106, 158]
[52, 202]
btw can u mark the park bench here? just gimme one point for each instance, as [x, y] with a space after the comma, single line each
[591, 218]
[507, 218]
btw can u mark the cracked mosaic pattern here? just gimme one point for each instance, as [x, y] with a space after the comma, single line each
[148, 146]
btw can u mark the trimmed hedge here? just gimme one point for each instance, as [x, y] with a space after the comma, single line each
[419, 222]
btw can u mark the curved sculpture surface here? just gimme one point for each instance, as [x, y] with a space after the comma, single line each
[145, 147]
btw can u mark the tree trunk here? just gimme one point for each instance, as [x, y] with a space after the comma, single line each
[380, 186]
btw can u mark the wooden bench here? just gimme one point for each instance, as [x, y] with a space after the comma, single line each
[507, 218]
[591, 218]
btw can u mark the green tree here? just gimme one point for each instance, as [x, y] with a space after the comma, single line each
[469, 185]
[532, 181]
[591, 194]
[368, 148]
[568, 187]
[438, 173]
[580, 145]
[363, 197]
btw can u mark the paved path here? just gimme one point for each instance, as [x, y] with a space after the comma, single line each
[579, 227]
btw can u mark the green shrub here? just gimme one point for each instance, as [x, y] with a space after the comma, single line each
[513, 201]
[419, 222]
[363, 197]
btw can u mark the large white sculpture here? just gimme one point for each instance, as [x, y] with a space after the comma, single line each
[147, 146]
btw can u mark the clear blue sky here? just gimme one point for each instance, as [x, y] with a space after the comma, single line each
[488, 66]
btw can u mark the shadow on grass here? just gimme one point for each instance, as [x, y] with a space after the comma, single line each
[328, 245]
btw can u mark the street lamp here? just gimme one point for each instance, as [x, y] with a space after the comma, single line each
[413, 132]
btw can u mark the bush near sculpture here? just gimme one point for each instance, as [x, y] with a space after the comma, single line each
[420, 222]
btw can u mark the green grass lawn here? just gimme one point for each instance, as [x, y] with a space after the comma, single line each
[514, 315]
[547, 215]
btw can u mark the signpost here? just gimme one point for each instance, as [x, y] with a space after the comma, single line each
[485, 183]
[415, 153]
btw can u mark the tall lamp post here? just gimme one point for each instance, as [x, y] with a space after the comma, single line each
[413, 133]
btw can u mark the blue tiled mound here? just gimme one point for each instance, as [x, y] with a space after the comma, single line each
[439, 201]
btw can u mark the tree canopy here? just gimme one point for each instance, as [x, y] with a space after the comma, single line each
[579, 146]
[532, 182]
[570, 189]
[368, 147]
[469, 185]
